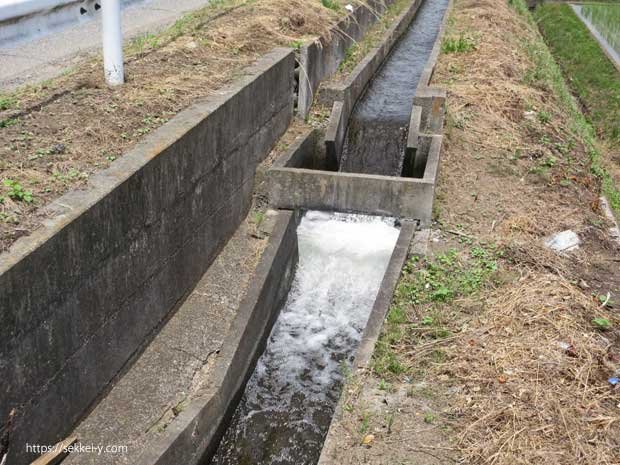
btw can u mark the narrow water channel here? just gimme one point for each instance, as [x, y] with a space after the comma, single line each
[288, 403]
[377, 131]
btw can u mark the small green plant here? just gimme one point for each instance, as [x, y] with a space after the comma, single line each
[7, 102]
[459, 44]
[5, 123]
[602, 324]
[429, 418]
[550, 161]
[365, 423]
[259, 217]
[297, 44]
[544, 116]
[384, 385]
[17, 192]
[331, 4]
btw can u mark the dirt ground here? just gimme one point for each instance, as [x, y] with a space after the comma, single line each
[496, 349]
[53, 136]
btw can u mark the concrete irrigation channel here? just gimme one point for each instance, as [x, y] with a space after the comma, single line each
[213, 348]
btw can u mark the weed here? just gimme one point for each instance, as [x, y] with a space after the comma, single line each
[7, 102]
[331, 4]
[602, 324]
[384, 385]
[544, 116]
[259, 217]
[425, 285]
[459, 44]
[5, 123]
[296, 44]
[17, 192]
[365, 423]
[429, 418]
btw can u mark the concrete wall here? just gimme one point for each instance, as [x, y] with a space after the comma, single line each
[193, 436]
[320, 59]
[84, 292]
[291, 187]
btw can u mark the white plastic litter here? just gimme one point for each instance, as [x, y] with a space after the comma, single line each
[349, 7]
[564, 241]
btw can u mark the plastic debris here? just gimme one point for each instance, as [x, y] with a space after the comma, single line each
[614, 381]
[349, 7]
[564, 241]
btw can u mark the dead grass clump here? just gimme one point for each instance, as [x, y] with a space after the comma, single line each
[533, 385]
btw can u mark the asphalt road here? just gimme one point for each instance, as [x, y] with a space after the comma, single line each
[46, 57]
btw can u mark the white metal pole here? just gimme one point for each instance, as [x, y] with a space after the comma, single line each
[112, 42]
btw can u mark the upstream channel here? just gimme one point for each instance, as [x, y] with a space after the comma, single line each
[377, 130]
[286, 409]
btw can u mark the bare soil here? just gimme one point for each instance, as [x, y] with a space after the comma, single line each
[514, 371]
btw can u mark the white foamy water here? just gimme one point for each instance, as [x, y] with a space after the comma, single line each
[286, 408]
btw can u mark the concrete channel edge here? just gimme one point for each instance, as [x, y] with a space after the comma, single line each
[194, 434]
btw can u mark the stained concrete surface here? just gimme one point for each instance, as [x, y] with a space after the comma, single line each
[49, 56]
[179, 360]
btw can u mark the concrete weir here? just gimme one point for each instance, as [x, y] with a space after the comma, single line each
[314, 175]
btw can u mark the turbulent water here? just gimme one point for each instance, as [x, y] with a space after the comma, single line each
[286, 408]
[376, 135]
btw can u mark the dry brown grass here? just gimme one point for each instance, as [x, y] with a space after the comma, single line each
[532, 384]
[520, 373]
[64, 130]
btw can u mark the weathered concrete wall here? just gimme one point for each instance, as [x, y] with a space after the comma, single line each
[320, 59]
[292, 187]
[81, 295]
[430, 98]
[193, 436]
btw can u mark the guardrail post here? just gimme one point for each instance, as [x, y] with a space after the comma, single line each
[112, 42]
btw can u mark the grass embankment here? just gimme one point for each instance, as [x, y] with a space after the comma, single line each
[589, 71]
[497, 350]
[55, 135]
[595, 81]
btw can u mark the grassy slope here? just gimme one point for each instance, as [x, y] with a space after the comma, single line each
[591, 75]
[490, 353]
[583, 80]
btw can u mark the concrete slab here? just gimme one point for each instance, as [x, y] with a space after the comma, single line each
[63, 49]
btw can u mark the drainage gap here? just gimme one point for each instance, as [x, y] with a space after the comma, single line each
[377, 130]
[286, 409]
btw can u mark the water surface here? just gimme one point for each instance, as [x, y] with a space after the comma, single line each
[377, 132]
[288, 403]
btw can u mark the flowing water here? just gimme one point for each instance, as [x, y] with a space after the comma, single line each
[288, 402]
[377, 131]
[604, 22]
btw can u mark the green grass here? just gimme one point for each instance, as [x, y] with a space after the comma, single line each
[459, 44]
[591, 74]
[355, 53]
[547, 74]
[606, 19]
[331, 4]
[424, 290]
